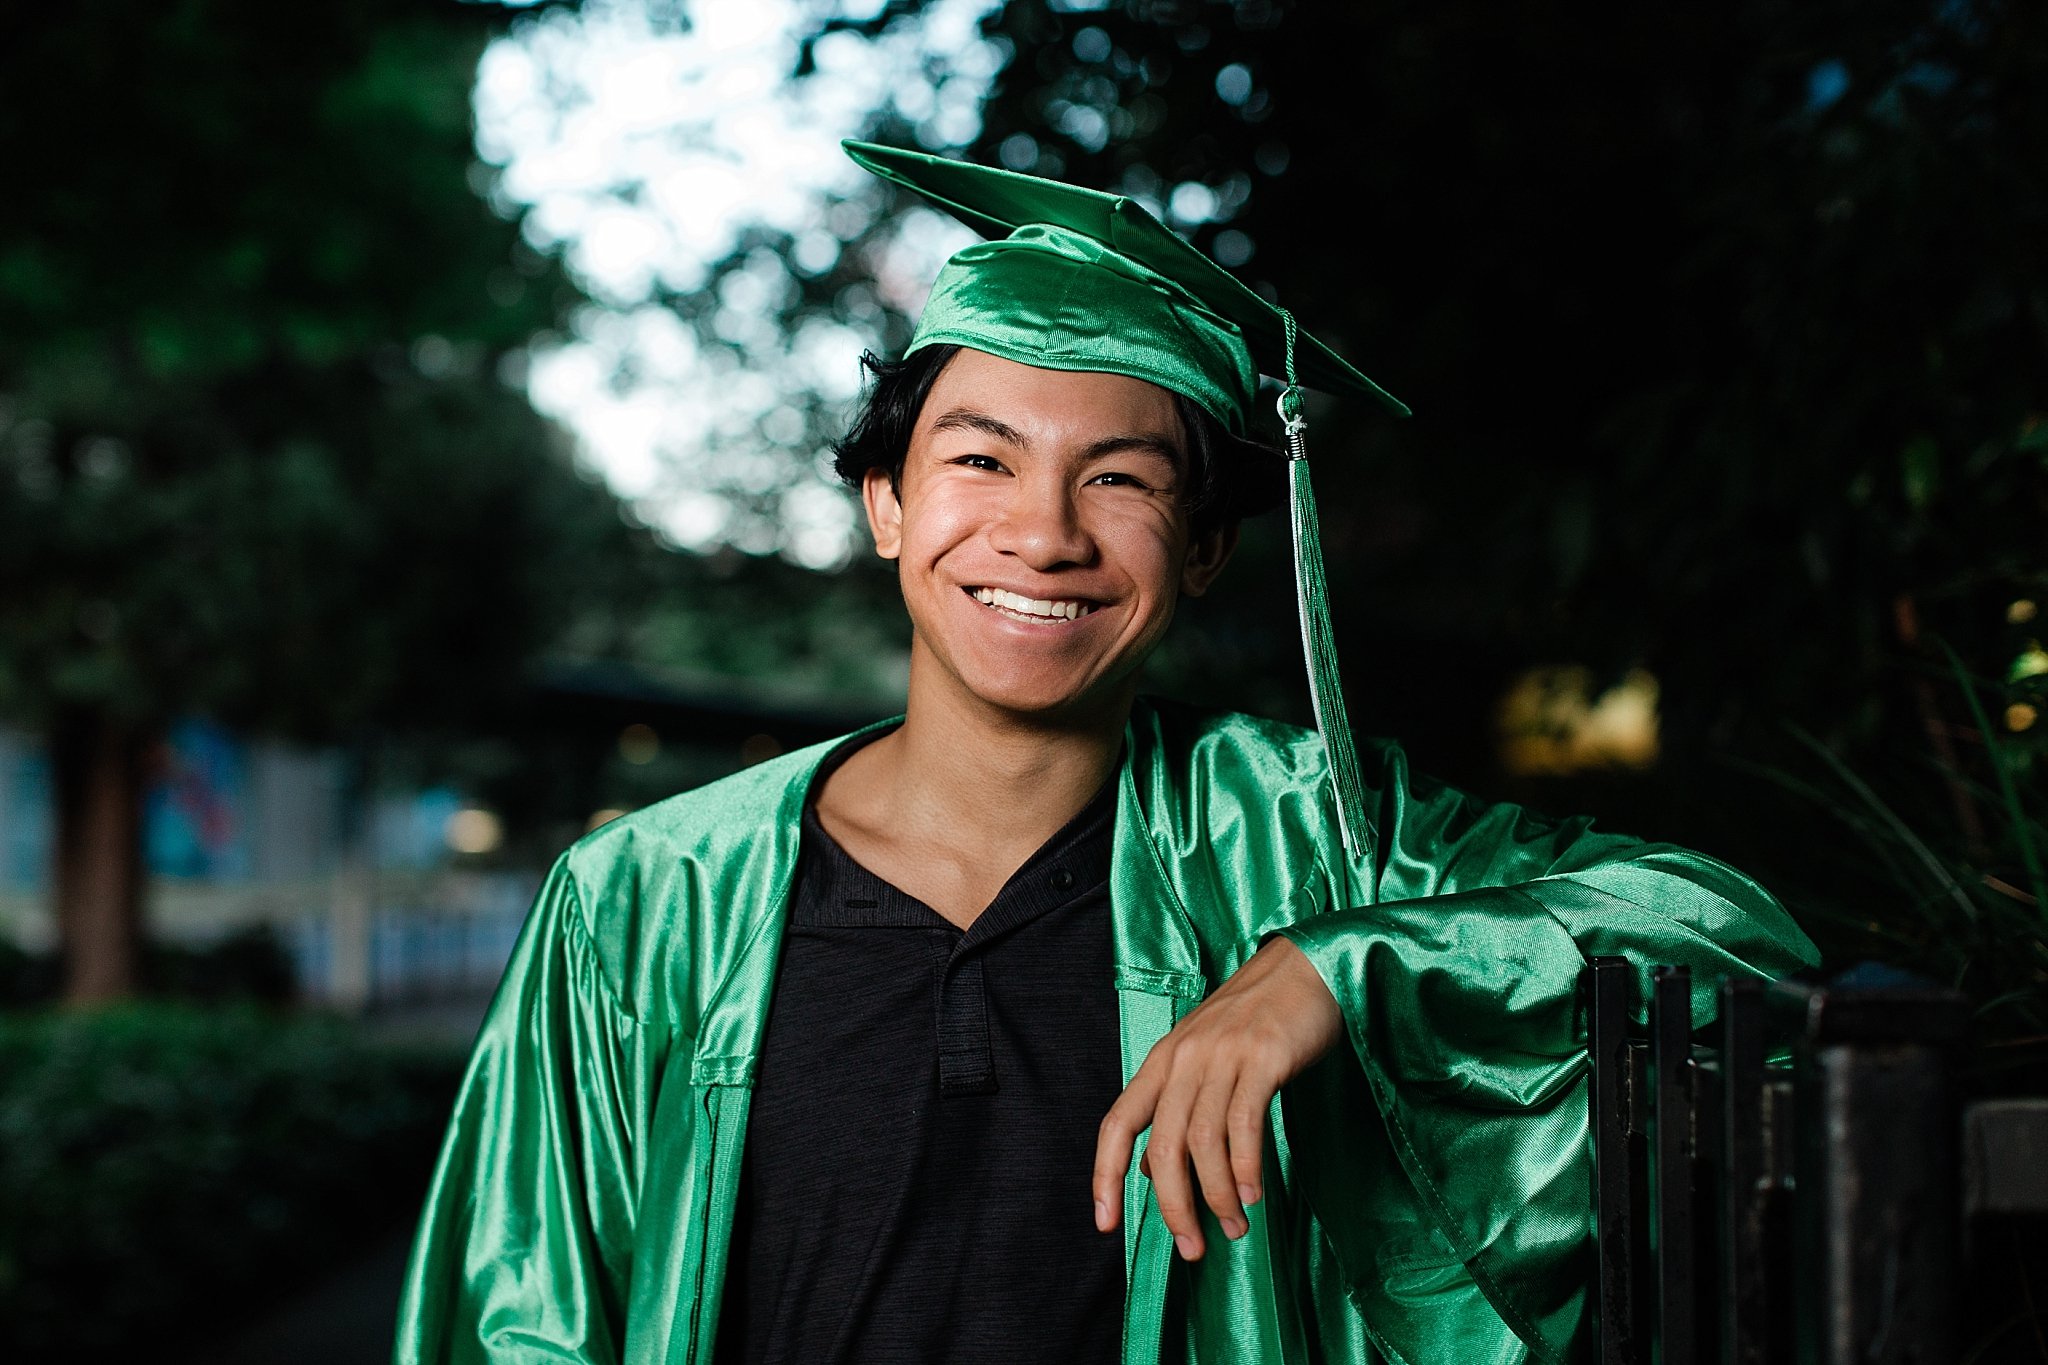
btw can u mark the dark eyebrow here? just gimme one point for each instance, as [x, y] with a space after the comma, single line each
[967, 419]
[1165, 448]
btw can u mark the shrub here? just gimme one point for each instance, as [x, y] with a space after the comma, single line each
[152, 1155]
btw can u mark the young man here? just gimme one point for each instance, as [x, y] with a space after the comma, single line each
[847, 1057]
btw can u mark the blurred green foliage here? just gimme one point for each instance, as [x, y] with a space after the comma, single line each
[737, 616]
[257, 456]
[154, 1157]
[1937, 861]
[263, 451]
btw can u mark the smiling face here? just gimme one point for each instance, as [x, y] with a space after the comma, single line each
[1041, 533]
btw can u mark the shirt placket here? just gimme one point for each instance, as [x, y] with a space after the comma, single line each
[960, 1003]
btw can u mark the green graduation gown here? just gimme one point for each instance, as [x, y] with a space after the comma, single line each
[1429, 1189]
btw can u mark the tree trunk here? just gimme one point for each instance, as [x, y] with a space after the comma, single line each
[96, 763]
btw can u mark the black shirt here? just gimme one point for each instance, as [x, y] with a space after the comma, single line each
[916, 1177]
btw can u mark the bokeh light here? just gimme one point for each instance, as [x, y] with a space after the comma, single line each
[474, 830]
[1552, 725]
[646, 152]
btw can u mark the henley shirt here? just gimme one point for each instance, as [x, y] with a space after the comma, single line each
[915, 1184]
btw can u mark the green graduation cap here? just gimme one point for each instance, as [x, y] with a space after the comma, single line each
[1076, 279]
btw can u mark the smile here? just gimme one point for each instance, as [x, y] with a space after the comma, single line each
[1035, 609]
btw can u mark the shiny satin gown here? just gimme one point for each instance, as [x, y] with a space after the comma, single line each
[1429, 1189]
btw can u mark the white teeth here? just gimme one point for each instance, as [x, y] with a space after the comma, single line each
[1042, 608]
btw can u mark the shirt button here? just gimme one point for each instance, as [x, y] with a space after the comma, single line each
[1062, 880]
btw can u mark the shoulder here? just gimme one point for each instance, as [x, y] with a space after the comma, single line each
[716, 821]
[666, 895]
[1246, 753]
[1238, 809]
[1229, 789]
[1242, 750]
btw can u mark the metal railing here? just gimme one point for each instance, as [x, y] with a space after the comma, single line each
[1791, 1186]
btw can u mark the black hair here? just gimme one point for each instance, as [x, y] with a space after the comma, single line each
[1229, 477]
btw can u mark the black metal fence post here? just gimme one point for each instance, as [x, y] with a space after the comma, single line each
[1877, 1171]
[1672, 1188]
[1752, 1259]
[1620, 1188]
[1751, 1213]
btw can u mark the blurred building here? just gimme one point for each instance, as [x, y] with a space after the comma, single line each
[240, 834]
[401, 894]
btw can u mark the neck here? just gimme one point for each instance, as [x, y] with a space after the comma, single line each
[951, 804]
[1001, 766]
[991, 779]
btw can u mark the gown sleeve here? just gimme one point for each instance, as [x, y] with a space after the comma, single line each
[523, 1248]
[1468, 1205]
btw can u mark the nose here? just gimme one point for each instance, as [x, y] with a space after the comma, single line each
[1041, 525]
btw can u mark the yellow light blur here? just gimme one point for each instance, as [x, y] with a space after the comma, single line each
[638, 743]
[474, 830]
[2020, 716]
[2032, 664]
[603, 817]
[1551, 725]
[2022, 611]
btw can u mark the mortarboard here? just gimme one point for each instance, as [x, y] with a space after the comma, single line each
[1077, 279]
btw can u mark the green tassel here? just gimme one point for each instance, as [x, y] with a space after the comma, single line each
[1325, 687]
[1318, 642]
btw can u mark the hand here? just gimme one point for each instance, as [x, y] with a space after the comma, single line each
[1204, 1091]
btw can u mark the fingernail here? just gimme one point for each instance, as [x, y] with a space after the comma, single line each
[1186, 1246]
[1247, 1195]
[1234, 1229]
[1101, 1216]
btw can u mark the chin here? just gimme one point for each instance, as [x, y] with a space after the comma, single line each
[1027, 681]
[1050, 702]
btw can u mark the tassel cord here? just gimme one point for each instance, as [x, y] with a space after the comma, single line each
[1318, 638]
[1325, 685]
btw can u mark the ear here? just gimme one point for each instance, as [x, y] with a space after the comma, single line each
[885, 512]
[1207, 554]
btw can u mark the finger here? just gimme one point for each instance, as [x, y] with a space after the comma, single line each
[1249, 1105]
[1167, 1157]
[1128, 1117]
[1208, 1151]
